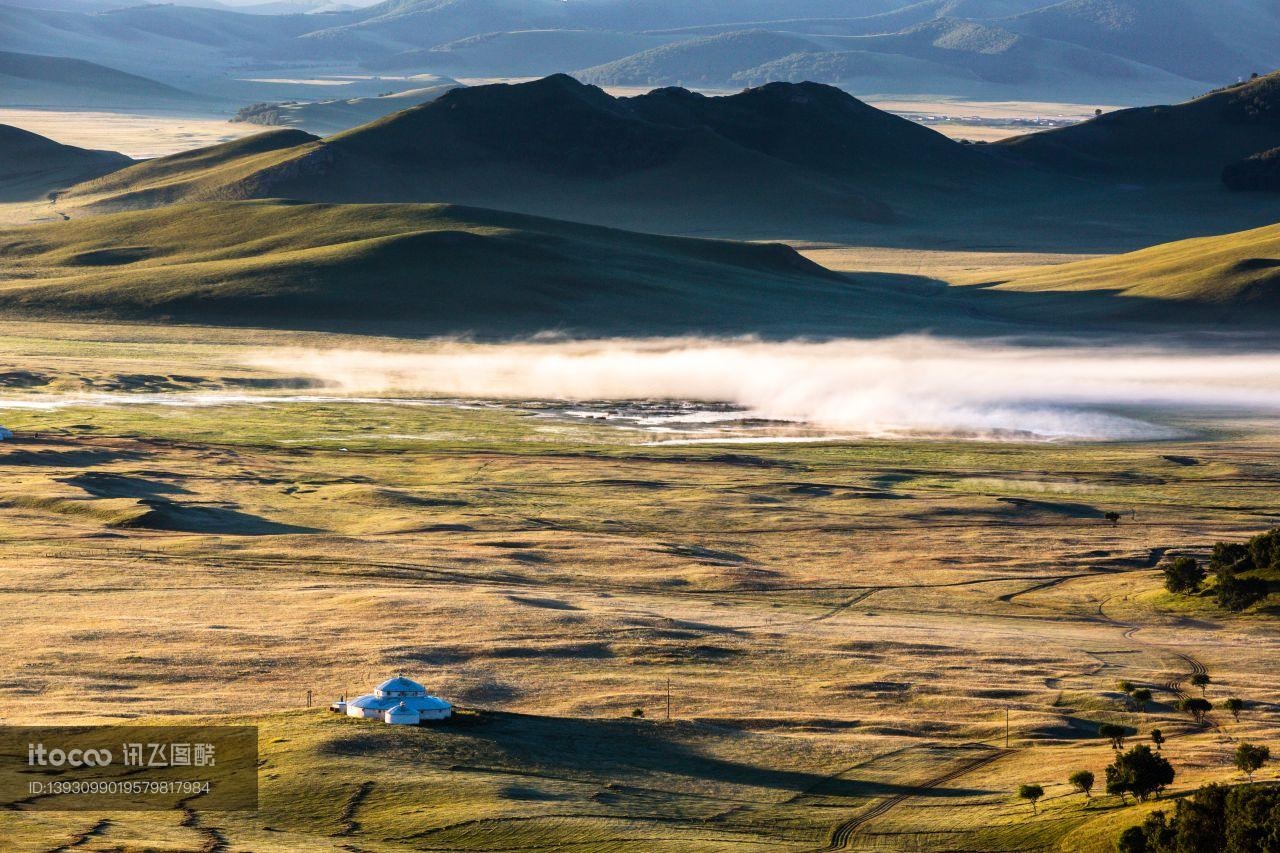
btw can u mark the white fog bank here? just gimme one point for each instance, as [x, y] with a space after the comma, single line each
[882, 387]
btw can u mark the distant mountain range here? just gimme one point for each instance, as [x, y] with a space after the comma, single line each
[670, 160]
[780, 159]
[1121, 51]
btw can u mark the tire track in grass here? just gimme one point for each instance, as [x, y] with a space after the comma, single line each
[351, 826]
[843, 834]
[214, 839]
[82, 838]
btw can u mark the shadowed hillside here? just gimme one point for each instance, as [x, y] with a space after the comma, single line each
[31, 165]
[1190, 141]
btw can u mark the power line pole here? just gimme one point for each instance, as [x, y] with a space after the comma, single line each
[668, 697]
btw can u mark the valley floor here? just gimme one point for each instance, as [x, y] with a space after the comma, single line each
[846, 626]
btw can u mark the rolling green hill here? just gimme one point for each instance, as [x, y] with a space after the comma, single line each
[31, 166]
[422, 269]
[1232, 278]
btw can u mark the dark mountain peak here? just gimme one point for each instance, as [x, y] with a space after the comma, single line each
[42, 164]
[805, 94]
[555, 125]
[557, 90]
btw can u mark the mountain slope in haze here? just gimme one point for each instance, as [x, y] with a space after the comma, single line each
[1195, 140]
[1234, 277]
[31, 166]
[938, 54]
[148, 39]
[29, 80]
[709, 61]
[520, 53]
[667, 161]
[1117, 51]
[1215, 42]
[334, 116]
[420, 269]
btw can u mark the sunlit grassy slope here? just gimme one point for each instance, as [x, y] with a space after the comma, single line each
[1233, 275]
[215, 171]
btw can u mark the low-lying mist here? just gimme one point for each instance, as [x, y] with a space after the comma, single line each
[907, 385]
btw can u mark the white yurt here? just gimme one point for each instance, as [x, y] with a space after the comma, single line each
[399, 697]
[402, 715]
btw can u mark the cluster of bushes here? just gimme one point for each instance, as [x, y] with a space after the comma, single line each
[1257, 173]
[1240, 819]
[265, 114]
[1229, 563]
[1258, 103]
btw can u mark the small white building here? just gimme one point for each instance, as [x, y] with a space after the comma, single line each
[399, 701]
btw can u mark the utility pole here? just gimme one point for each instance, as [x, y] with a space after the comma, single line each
[668, 697]
[308, 698]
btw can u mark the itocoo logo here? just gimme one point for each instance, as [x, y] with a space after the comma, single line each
[38, 756]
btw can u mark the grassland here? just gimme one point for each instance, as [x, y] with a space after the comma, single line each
[844, 625]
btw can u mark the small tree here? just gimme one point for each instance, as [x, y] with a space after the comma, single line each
[1250, 757]
[1140, 698]
[1114, 733]
[1196, 707]
[1132, 840]
[1157, 737]
[1184, 574]
[1031, 793]
[1140, 772]
[1201, 680]
[1113, 517]
[1082, 781]
[637, 712]
[1235, 593]
[1125, 687]
[1235, 705]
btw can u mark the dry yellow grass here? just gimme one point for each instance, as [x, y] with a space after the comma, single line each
[844, 625]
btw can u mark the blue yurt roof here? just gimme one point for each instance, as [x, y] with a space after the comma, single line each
[400, 684]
